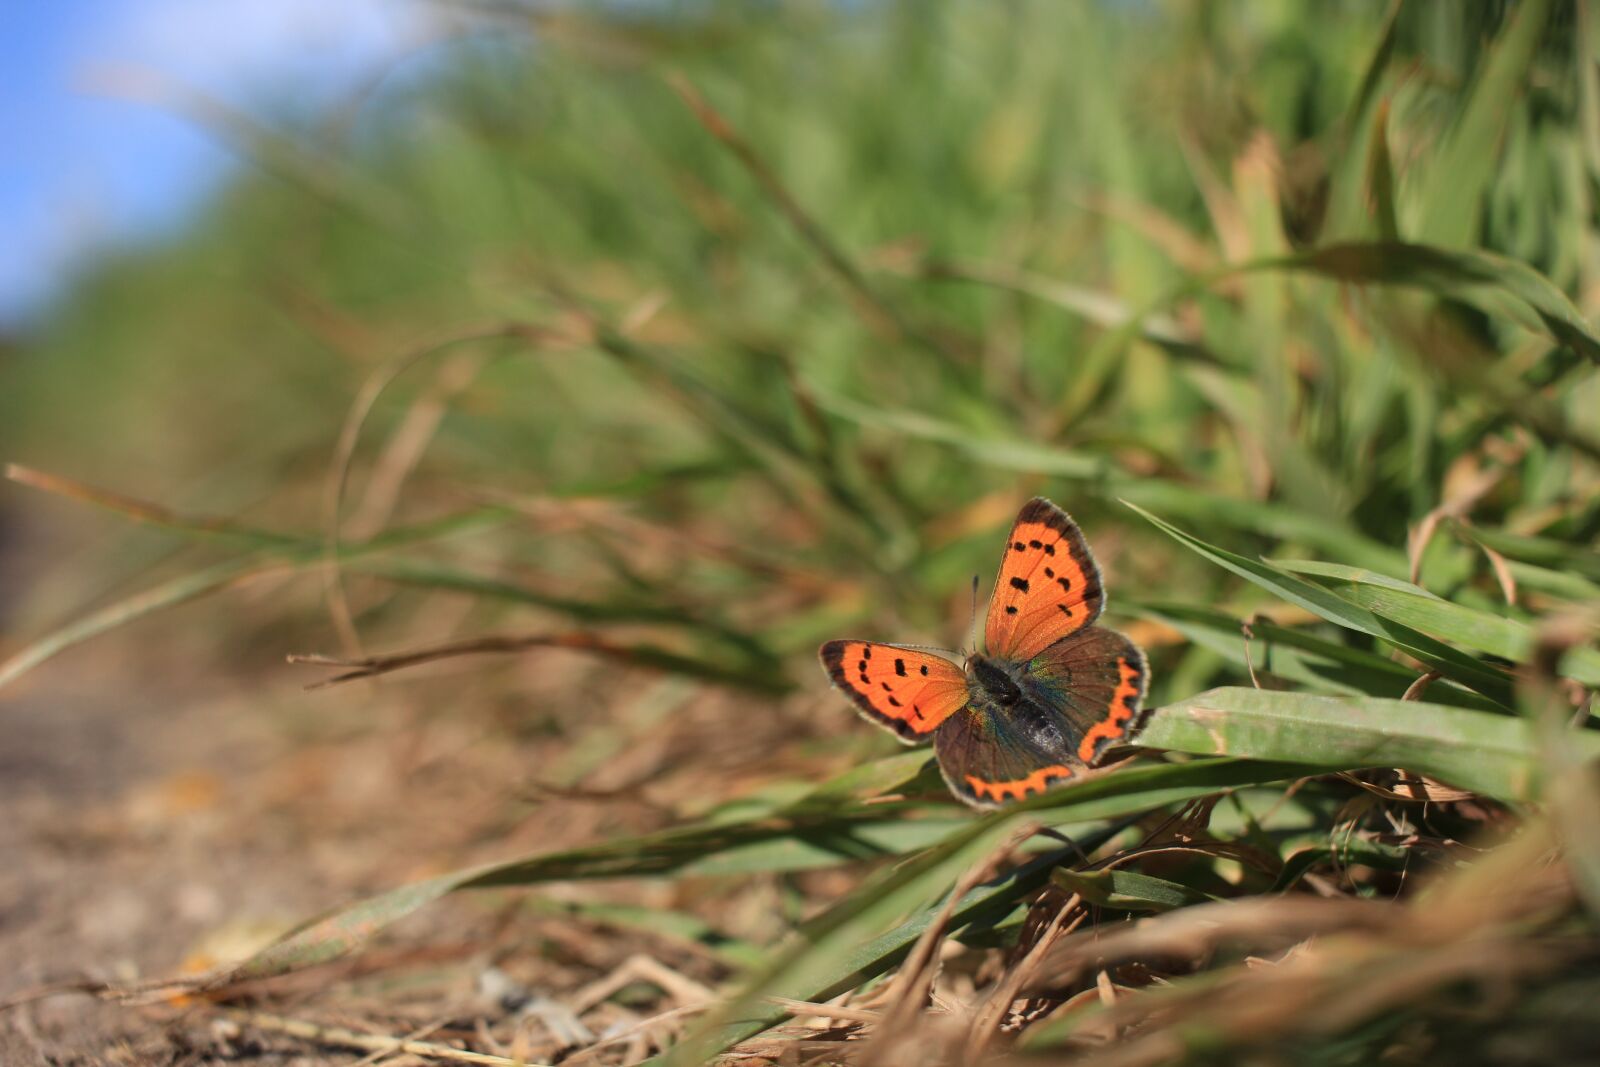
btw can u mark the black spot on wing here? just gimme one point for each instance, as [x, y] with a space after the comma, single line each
[900, 667]
[1020, 584]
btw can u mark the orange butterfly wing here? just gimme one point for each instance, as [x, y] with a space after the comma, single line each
[1049, 584]
[910, 692]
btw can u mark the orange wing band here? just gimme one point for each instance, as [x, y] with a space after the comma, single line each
[1124, 705]
[999, 792]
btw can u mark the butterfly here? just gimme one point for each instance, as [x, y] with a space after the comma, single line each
[1054, 692]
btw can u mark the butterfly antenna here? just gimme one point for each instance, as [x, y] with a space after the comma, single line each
[929, 648]
[972, 627]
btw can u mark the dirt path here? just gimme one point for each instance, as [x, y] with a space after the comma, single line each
[144, 833]
[126, 846]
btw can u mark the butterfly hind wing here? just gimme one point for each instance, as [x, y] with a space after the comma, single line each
[1049, 584]
[1081, 695]
[988, 759]
[907, 691]
[1096, 678]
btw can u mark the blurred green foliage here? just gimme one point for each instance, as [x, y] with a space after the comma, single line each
[1033, 208]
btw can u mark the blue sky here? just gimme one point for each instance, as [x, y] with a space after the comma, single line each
[84, 166]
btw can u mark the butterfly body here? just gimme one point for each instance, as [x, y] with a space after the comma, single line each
[1053, 692]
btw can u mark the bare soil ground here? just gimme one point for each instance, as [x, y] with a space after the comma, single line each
[155, 826]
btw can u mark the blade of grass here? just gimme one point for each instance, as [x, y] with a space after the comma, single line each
[1006, 454]
[342, 930]
[877, 307]
[737, 424]
[1484, 752]
[428, 575]
[1495, 284]
[1300, 656]
[337, 478]
[1544, 551]
[144, 511]
[1414, 606]
[167, 594]
[1349, 188]
[657, 923]
[297, 556]
[1343, 853]
[1101, 308]
[1448, 661]
[1459, 176]
[770, 680]
[1262, 517]
[1100, 476]
[1554, 583]
[1380, 176]
[1127, 890]
[1471, 276]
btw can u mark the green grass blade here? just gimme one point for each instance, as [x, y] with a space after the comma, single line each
[1460, 174]
[1380, 177]
[1101, 308]
[1483, 279]
[1344, 852]
[143, 511]
[297, 554]
[1555, 583]
[1127, 890]
[1484, 752]
[1300, 656]
[1007, 454]
[167, 594]
[1098, 475]
[1447, 661]
[1349, 195]
[658, 922]
[1544, 551]
[1266, 518]
[1414, 606]
[428, 575]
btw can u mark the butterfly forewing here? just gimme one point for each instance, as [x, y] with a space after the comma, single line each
[908, 691]
[1049, 584]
